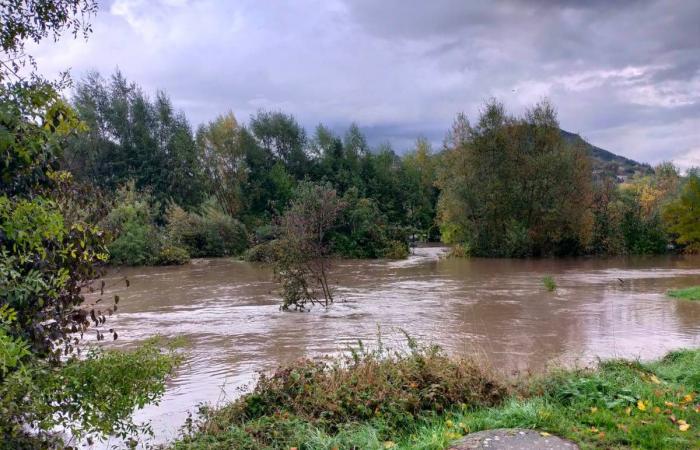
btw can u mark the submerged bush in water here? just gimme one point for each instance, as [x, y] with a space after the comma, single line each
[549, 283]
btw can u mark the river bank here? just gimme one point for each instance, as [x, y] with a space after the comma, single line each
[422, 400]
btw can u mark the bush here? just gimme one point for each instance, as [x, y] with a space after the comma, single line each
[459, 251]
[172, 255]
[399, 389]
[136, 245]
[132, 222]
[395, 250]
[265, 252]
[211, 233]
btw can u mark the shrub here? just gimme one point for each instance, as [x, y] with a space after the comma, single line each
[398, 388]
[395, 250]
[136, 245]
[211, 233]
[172, 255]
[265, 252]
[131, 221]
[459, 251]
[549, 283]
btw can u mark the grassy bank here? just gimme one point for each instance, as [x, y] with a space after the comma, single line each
[691, 293]
[421, 399]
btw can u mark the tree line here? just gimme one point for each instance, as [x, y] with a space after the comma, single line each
[506, 186]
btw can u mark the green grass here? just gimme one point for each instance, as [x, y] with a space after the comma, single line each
[549, 283]
[691, 293]
[621, 404]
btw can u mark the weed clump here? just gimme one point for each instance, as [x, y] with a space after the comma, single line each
[549, 283]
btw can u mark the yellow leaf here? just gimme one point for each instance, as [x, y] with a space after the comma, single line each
[544, 433]
[449, 423]
[594, 409]
[657, 410]
[683, 426]
[655, 380]
[628, 410]
[687, 399]
[669, 404]
[593, 430]
[642, 405]
[389, 444]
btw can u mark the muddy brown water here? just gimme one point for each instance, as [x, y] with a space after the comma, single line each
[498, 308]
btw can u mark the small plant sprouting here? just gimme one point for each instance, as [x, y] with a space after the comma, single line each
[549, 283]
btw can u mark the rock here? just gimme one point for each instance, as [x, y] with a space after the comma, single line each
[512, 439]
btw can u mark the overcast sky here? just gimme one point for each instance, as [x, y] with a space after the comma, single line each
[623, 74]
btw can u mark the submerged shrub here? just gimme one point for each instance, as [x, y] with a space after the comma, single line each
[459, 251]
[549, 283]
[172, 255]
[395, 250]
[265, 252]
[208, 234]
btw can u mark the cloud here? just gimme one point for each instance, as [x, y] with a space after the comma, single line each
[626, 75]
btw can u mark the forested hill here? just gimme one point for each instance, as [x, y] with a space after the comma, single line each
[608, 162]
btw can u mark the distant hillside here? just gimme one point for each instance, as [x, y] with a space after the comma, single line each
[608, 163]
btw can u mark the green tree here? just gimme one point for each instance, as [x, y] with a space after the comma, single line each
[514, 187]
[302, 261]
[682, 215]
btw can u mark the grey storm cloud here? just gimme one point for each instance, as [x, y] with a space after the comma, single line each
[626, 75]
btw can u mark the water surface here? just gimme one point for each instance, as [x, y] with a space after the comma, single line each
[498, 308]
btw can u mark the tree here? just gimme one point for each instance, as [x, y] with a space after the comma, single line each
[223, 160]
[48, 262]
[513, 187]
[24, 20]
[283, 138]
[682, 215]
[132, 137]
[303, 257]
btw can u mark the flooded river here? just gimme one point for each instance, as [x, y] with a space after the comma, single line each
[229, 312]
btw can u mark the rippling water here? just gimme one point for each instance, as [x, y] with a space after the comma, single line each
[498, 308]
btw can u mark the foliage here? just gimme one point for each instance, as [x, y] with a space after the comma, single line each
[35, 20]
[132, 222]
[682, 215]
[619, 405]
[459, 251]
[514, 187]
[691, 293]
[208, 234]
[364, 232]
[303, 260]
[131, 137]
[549, 283]
[50, 254]
[395, 250]
[397, 389]
[223, 157]
[91, 396]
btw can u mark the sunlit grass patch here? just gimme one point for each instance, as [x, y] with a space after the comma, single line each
[691, 293]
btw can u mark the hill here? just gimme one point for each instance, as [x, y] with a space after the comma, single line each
[608, 163]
